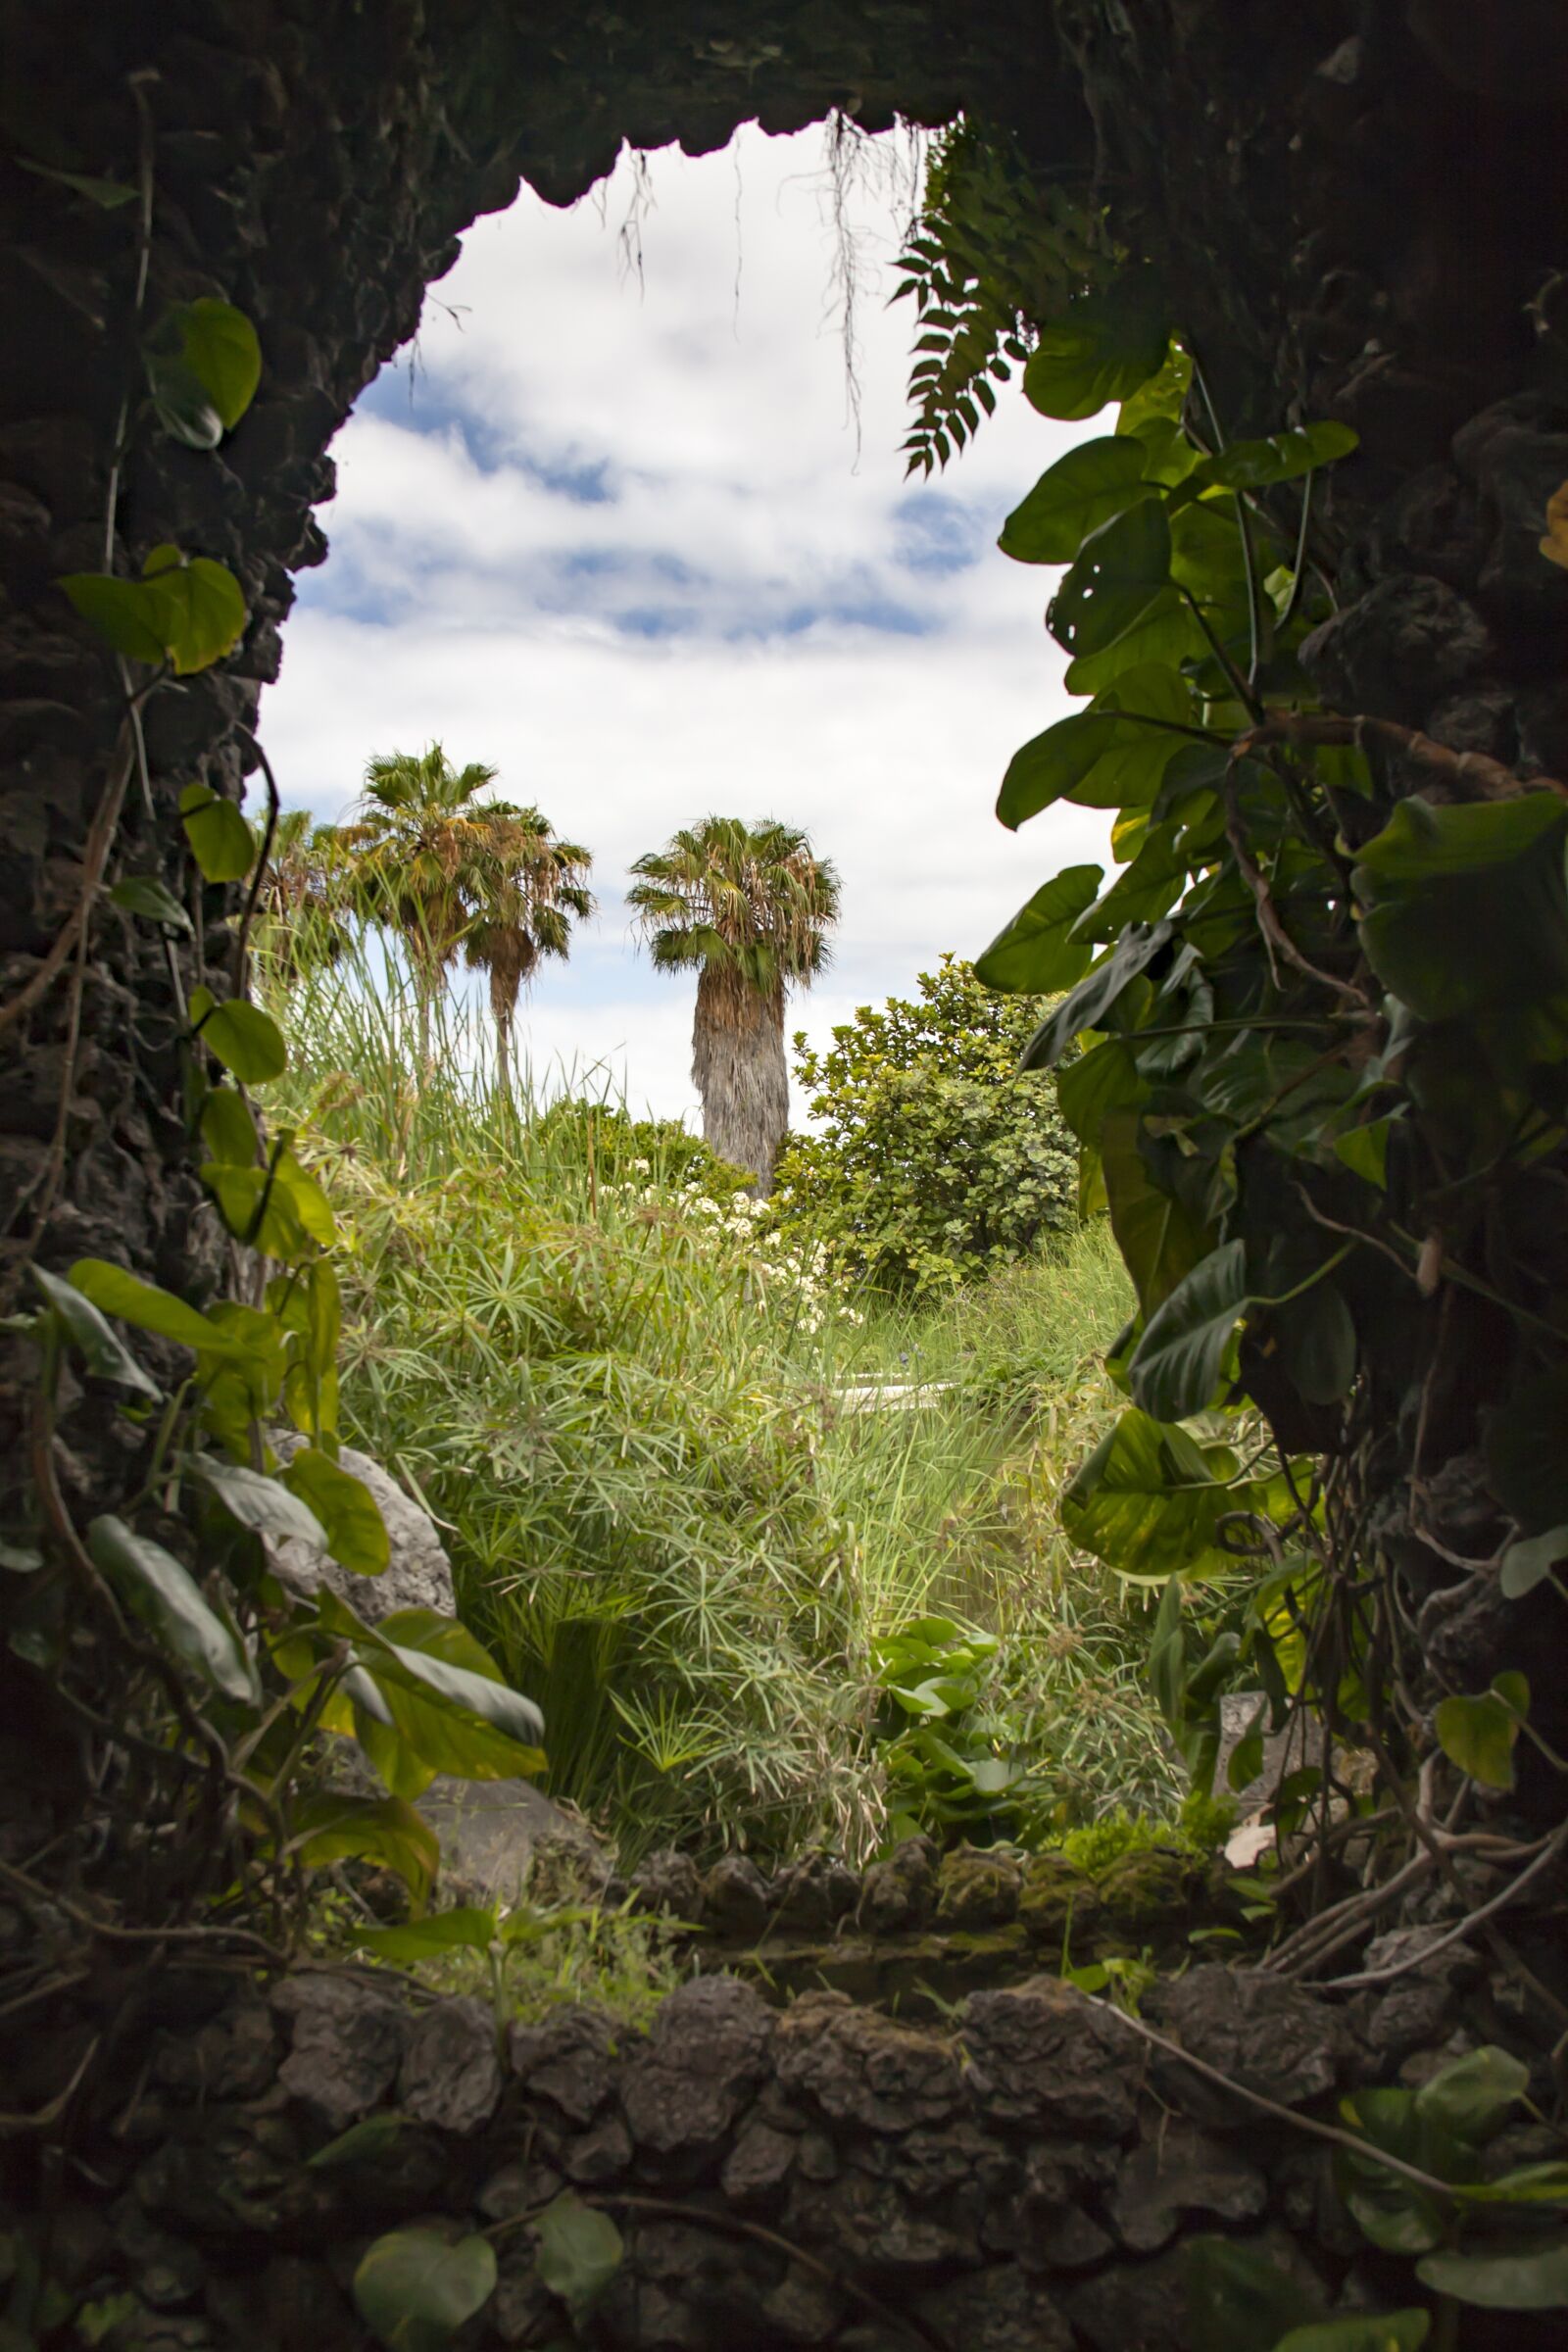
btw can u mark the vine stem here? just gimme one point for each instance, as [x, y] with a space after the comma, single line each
[1473, 773]
[1275, 935]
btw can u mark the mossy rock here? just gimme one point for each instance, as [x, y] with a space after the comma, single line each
[976, 1889]
[1143, 1894]
[1056, 1898]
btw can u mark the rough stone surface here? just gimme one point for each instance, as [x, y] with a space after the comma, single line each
[856, 2066]
[899, 1894]
[670, 1883]
[997, 2310]
[1270, 2036]
[451, 2070]
[1042, 2055]
[736, 1897]
[706, 2053]
[1405, 645]
[814, 1894]
[348, 2038]
[1178, 2170]
[418, 1574]
[570, 2060]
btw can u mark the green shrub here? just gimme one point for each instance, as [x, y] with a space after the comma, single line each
[934, 1160]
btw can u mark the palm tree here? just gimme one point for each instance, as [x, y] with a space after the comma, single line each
[751, 907]
[303, 907]
[448, 871]
[533, 887]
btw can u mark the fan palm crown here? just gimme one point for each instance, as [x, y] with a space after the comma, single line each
[750, 908]
[452, 871]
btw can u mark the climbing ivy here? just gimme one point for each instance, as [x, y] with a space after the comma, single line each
[1320, 1014]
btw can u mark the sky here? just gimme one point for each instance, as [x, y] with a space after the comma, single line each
[614, 529]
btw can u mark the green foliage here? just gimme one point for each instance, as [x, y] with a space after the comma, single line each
[416, 2287]
[1317, 1020]
[1492, 2240]
[185, 610]
[993, 251]
[932, 1161]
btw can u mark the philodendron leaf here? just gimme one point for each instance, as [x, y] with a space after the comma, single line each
[364, 2142]
[1176, 1366]
[117, 1291]
[1475, 2096]
[220, 841]
[152, 900]
[1119, 573]
[467, 1927]
[1361, 2332]
[258, 1502]
[1095, 994]
[1254, 464]
[1102, 347]
[415, 2288]
[355, 1533]
[1531, 1560]
[245, 1040]
[166, 1593]
[199, 605]
[213, 347]
[336, 1827]
[96, 1342]
[1032, 954]
[1072, 498]
[579, 2252]
[1533, 2279]
[1479, 1734]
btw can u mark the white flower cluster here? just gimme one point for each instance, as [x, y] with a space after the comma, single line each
[801, 1275]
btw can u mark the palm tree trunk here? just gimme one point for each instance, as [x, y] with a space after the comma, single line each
[739, 1069]
[504, 1054]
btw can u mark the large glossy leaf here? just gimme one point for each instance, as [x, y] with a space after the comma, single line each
[337, 1828]
[1475, 2096]
[96, 1342]
[169, 1595]
[1159, 1241]
[1465, 907]
[466, 1926]
[120, 611]
[259, 1502]
[1032, 954]
[1145, 1503]
[220, 841]
[1167, 633]
[417, 2287]
[200, 610]
[1176, 1366]
[1095, 994]
[1052, 766]
[1099, 1082]
[1531, 1560]
[1281, 457]
[1477, 1734]
[245, 1040]
[355, 1532]
[1072, 498]
[1119, 573]
[1149, 889]
[1532, 2278]
[1104, 347]
[579, 2253]
[1315, 1333]
[217, 346]
[117, 1291]
[145, 895]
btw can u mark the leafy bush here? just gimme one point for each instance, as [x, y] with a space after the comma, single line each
[934, 1161]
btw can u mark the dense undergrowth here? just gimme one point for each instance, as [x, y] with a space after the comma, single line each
[621, 1390]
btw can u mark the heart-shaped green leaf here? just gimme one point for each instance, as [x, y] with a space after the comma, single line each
[166, 1592]
[416, 2287]
[1031, 955]
[220, 841]
[245, 1040]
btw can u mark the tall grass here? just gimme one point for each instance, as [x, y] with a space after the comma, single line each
[623, 1407]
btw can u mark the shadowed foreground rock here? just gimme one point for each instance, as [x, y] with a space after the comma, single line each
[1020, 2178]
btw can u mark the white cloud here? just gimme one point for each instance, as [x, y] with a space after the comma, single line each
[617, 542]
